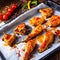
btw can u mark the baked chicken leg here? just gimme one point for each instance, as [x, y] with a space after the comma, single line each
[36, 31]
[30, 45]
[45, 40]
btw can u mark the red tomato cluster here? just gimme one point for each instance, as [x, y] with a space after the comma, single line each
[9, 12]
[1, 16]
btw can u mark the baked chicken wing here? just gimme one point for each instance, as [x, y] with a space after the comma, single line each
[8, 38]
[36, 21]
[45, 40]
[30, 45]
[54, 21]
[46, 12]
[36, 31]
[20, 29]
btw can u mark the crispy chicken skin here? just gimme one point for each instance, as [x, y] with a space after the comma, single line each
[57, 33]
[30, 45]
[36, 21]
[40, 38]
[54, 21]
[20, 29]
[45, 40]
[46, 12]
[8, 38]
[36, 31]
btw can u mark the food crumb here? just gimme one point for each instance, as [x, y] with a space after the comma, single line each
[58, 41]
[18, 53]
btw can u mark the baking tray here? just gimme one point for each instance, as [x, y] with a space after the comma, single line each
[56, 1]
[10, 54]
[53, 5]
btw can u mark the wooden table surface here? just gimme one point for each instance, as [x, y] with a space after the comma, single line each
[54, 56]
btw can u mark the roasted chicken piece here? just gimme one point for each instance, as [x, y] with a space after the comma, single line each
[36, 31]
[36, 21]
[45, 40]
[57, 33]
[30, 45]
[8, 38]
[53, 21]
[46, 12]
[20, 29]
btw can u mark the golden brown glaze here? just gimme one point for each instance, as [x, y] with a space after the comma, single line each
[45, 40]
[8, 38]
[53, 21]
[36, 21]
[46, 12]
[20, 29]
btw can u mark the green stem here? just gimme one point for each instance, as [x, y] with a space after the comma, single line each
[34, 2]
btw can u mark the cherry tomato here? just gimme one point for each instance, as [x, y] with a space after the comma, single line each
[1, 16]
[5, 17]
[14, 6]
[8, 14]
[10, 10]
